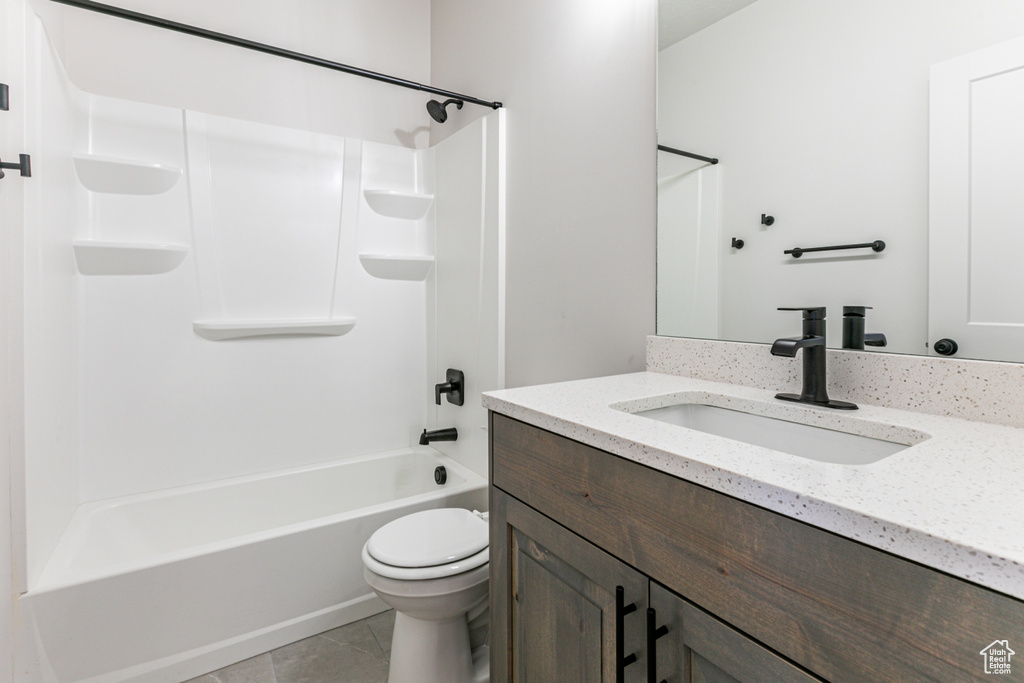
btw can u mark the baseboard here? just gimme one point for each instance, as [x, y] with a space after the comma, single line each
[186, 665]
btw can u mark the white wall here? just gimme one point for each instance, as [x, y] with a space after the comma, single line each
[577, 80]
[118, 58]
[57, 210]
[469, 280]
[819, 114]
[11, 327]
[688, 248]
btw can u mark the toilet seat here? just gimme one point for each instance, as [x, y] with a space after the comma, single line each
[428, 545]
[423, 573]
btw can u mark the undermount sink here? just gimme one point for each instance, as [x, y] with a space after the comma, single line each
[806, 441]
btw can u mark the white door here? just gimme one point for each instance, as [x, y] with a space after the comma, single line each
[976, 208]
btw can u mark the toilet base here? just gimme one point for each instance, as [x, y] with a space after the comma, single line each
[482, 664]
[431, 651]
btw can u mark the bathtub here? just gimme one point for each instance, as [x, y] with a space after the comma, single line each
[165, 586]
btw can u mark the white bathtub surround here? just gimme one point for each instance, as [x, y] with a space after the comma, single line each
[986, 391]
[470, 276]
[176, 583]
[191, 289]
[950, 501]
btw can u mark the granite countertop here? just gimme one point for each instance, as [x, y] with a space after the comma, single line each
[953, 500]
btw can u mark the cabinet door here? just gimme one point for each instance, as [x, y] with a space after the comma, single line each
[555, 611]
[698, 648]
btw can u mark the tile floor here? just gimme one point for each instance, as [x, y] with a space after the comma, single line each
[354, 653]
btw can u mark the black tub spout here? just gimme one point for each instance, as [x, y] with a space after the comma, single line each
[449, 434]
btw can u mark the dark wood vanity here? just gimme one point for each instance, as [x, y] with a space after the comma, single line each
[744, 593]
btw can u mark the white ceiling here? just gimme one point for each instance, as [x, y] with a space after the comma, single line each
[678, 19]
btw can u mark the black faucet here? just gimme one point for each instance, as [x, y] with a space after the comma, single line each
[449, 434]
[853, 329]
[813, 343]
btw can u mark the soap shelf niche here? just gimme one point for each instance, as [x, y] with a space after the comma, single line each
[396, 266]
[393, 204]
[219, 330]
[94, 257]
[111, 175]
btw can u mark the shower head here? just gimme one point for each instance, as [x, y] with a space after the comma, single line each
[437, 110]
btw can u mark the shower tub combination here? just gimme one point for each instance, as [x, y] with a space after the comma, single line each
[171, 584]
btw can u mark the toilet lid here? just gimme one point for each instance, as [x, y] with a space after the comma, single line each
[429, 538]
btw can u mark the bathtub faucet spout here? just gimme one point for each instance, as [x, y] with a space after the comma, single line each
[449, 434]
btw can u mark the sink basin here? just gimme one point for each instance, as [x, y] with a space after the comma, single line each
[815, 443]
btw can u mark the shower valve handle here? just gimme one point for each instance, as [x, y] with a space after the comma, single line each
[24, 166]
[453, 386]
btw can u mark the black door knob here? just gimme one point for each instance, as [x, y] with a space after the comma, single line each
[945, 347]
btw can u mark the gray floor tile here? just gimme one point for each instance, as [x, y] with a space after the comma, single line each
[320, 659]
[354, 653]
[259, 669]
[359, 636]
[383, 627]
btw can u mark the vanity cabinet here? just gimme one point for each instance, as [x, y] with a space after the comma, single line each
[570, 604]
[744, 593]
[695, 647]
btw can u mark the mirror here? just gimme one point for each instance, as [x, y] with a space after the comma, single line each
[825, 119]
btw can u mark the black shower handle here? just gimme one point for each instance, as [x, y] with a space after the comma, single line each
[453, 386]
[24, 166]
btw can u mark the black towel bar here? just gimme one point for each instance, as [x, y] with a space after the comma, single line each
[691, 155]
[797, 252]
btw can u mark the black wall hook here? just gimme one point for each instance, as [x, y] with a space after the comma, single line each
[737, 244]
[766, 219]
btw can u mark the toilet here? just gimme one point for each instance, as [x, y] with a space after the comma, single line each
[431, 567]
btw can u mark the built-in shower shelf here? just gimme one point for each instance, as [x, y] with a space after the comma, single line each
[219, 330]
[396, 267]
[394, 204]
[124, 176]
[94, 257]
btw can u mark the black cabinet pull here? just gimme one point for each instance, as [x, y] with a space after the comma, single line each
[621, 610]
[653, 633]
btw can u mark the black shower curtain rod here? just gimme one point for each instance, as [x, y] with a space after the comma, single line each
[267, 49]
[673, 150]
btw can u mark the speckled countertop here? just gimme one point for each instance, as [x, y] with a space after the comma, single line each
[953, 500]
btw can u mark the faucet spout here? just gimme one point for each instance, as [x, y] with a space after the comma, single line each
[875, 339]
[449, 434]
[789, 346]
